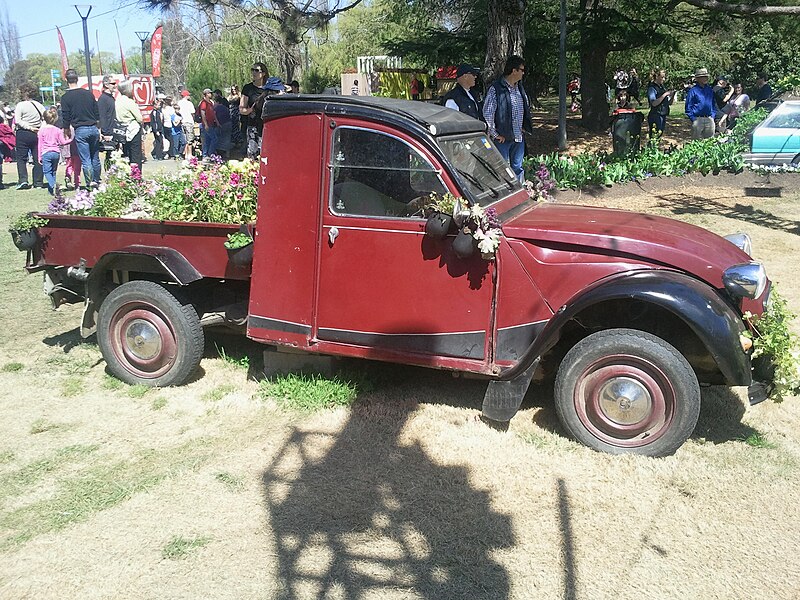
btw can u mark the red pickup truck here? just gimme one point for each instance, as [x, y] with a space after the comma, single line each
[632, 312]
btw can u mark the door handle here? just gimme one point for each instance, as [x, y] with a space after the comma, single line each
[333, 233]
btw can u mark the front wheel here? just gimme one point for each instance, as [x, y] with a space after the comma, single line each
[148, 336]
[627, 391]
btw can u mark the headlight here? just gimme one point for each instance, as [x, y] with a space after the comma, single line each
[745, 281]
[741, 241]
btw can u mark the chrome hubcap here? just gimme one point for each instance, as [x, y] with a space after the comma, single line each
[624, 400]
[142, 339]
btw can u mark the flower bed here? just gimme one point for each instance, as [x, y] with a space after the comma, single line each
[206, 191]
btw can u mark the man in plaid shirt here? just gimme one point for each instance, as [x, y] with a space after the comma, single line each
[507, 113]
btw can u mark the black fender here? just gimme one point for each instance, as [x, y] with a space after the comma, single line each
[144, 259]
[709, 315]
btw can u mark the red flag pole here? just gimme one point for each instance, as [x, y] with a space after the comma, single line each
[121, 55]
[64, 61]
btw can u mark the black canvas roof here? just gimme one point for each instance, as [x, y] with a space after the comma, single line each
[438, 120]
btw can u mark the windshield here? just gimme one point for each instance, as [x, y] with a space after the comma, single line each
[479, 165]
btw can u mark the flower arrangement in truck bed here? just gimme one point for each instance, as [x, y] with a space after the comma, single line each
[208, 191]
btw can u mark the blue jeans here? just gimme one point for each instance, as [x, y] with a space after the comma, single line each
[210, 139]
[513, 152]
[87, 138]
[50, 166]
[178, 144]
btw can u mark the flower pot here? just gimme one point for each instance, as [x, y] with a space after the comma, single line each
[464, 245]
[24, 240]
[241, 256]
[438, 225]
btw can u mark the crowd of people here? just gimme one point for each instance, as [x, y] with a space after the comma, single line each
[80, 127]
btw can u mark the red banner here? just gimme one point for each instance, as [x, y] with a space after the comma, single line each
[64, 61]
[121, 55]
[155, 51]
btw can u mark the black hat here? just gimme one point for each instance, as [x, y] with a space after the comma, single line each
[465, 69]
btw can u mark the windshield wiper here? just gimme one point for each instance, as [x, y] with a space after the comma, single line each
[471, 178]
[485, 164]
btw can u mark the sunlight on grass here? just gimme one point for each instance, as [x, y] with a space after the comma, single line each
[180, 547]
[43, 425]
[218, 393]
[73, 386]
[13, 367]
[758, 440]
[112, 383]
[159, 403]
[232, 482]
[21, 480]
[311, 392]
[98, 488]
[138, 391]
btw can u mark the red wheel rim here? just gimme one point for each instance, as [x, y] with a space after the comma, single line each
[625, 400]
[142, 340]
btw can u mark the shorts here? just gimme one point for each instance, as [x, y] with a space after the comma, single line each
[188, 132]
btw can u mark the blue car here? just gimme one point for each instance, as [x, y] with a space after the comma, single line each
[777, 140]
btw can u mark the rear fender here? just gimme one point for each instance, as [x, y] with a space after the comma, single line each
[715, 322]
[157, 260]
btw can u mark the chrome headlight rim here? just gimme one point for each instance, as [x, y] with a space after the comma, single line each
[745, 280]
[742, 241]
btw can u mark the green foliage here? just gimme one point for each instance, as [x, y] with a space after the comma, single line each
[699, 156]
[237, 240]
[758, 440]
[241, 362]
[774, 340]
[13, 367]
[308, 393]
[28, 221]
[180, 547]
[138, 391]
[745, 124]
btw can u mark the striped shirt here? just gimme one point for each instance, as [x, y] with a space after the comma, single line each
[517, 110]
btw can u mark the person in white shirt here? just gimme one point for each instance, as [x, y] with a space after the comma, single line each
[187, 112]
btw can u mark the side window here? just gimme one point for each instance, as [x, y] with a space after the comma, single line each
[374, 174]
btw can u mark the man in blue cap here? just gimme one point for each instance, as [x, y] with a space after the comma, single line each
[460, 97]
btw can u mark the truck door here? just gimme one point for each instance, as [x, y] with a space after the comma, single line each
[385, 290]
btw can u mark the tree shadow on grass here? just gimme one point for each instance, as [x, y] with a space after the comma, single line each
[687, 204]
[359, 510]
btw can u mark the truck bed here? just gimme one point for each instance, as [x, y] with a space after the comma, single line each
[69, 240]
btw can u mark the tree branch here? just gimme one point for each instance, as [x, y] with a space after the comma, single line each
[744, 9]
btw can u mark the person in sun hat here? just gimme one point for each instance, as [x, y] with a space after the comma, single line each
[461, 97]
[701, 106]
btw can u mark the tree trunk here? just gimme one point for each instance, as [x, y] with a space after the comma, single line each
[594, 102]
[506, 35]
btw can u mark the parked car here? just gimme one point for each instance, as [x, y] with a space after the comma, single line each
[777, 140]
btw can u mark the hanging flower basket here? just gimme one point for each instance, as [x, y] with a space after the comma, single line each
[438, 225]
[24, 240]
[240, 248]
[464, 244]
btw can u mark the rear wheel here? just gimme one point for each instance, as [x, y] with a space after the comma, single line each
[148, 336]
[795, 161]
[627, 391]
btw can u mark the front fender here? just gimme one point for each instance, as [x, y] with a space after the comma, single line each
[715, 322]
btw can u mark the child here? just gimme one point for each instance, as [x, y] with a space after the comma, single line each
[51, 140]
[72, 160]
